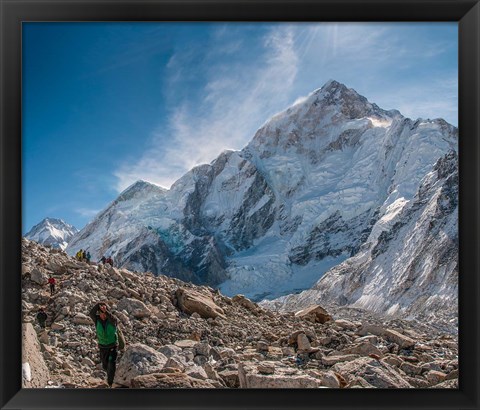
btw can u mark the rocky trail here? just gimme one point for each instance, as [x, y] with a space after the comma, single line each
[184, 336]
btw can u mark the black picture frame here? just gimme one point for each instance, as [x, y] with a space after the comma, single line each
[14, 12]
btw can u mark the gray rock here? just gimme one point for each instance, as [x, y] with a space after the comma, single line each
[363, 348]
[393, 336]
[376, 373]
[330, 379]
[81, 319]
[168, 381]
[191, 301]
[170, 350]
[39, 276]
[434, 377]
[250, 378]
[202, 348]
[35, 373]
[230, 377]
[303, 343]
[134, 307]
[197, 372]
[266, 368]
[138, 360]
[314, 313]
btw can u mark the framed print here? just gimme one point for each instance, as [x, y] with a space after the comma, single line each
[240, 204]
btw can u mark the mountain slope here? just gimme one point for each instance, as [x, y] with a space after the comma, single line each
[315, 183]
[52, 232]
[409, 264]
[215, 342]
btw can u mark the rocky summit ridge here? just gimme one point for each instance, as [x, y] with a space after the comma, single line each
[180, 335]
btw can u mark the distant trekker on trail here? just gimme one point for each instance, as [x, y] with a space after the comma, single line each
[78, 255]
[103, 260]
[109, 261]
[51, 282]
[88, 256]
[109, 338]
[41, 317]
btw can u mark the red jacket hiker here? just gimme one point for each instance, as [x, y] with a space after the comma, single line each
[51, 282]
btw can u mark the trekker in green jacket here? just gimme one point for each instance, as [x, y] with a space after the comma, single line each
[109, 338]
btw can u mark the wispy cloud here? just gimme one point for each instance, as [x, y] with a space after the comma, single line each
[237, 95]
[234, 104]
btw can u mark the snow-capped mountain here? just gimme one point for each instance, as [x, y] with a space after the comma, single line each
[53, 232]
[408, 266]
[317, 184]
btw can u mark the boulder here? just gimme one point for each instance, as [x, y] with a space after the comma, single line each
[230, 377]
[168, 381]
[202, 349]
[190, 301]
[303, 343]
[330, 379]
[245, 302]
[35, 373]
[57, 326]
[134, 307]
[266, 368]
[262, 346]
[314, 313]
[410, 369]
[345, 324]
[378, 374]
[185, 343]
[137, 360]
[334, 359]
[434, 377]
[81, 319]
[250, 378]
[227, 353]
[176, 362]
[447, 384]
[39, 276]
[197, 372]
[170, 350]
[404, 342]
[362, 349]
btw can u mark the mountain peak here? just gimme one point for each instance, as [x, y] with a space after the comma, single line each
[333, 85]
[139, 186]
[53, 232]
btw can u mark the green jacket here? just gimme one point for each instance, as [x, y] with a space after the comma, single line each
[108, 333]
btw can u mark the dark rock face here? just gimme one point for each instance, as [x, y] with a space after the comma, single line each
[333, 237]
[246, 226]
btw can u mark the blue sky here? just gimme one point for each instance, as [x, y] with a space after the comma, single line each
[106, 104]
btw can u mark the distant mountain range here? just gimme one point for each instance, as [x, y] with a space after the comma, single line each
[334, 194]
[52, 232]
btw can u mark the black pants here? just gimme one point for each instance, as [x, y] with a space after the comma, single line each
[52, 288]
[108, 356]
